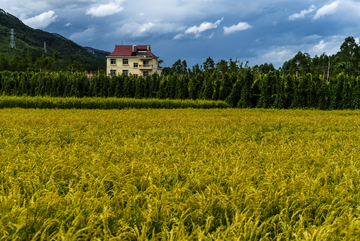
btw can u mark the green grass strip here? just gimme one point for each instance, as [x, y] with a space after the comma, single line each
[104, 103]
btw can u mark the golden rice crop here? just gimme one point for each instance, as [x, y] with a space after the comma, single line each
[182, 174]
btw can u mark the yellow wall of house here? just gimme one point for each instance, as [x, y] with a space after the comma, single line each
[119, 67]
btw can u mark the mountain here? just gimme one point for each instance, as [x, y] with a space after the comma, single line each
[32, 40]
[99, 53]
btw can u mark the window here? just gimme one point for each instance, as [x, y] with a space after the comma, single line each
[125, 61]
[113, 61]
[126, 72]
[112, 72]
[135, 75]
[145, 73]
[136, 65]
[146, 63]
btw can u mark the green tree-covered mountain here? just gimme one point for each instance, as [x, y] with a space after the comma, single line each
[99, 53]
[30, 53]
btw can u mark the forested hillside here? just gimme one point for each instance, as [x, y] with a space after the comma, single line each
[29, 52]
[99, 53]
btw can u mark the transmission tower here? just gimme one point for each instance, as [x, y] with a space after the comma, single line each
[12, 41]
[45, 47]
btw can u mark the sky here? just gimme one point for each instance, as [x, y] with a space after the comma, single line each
[257, 31]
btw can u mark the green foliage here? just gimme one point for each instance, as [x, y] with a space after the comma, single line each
[140, 88]
[265, 100]
[226, 87]
[297, 100]
[280, 101]
[162, 93]
[217, 85]
[147, 86]
[336, 90]
[193, 88]
[356, 96]
[323, 95]
[209, 65]
[265, 91]
[346, 95]
[310, 91]
[208, 88]
[235, 94]
[154, 85]
[128, 86]
[179, 67]
[222, 66]
[74, 67]
[289, 90]
[103, 103]
[246, 91]
[171, 86]
[182, 91]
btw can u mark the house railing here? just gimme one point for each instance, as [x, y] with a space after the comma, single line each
[146, 66]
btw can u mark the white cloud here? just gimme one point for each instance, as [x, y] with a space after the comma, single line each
[239, 27]
[42, 20]
[331, 45]
[311, 37]
[203, 27]
[85, 36]
[277, 55]
[129, 28]
[327, 9]
[68, 24]
[302, 14]
[179, 36]
[145, 27]
[104, 10]
[321, 45]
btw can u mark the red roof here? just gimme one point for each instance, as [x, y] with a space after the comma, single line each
[126, 50]
[149, 54]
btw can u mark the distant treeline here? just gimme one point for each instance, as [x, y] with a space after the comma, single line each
[243, 90]
[347, 60]
[22, 61]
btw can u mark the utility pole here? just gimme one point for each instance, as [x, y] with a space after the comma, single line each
[12, 41]
[328, 73]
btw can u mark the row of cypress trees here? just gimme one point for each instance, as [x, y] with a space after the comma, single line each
[270, 90]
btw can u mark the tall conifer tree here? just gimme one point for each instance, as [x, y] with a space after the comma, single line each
[226, 87]
[246, 91]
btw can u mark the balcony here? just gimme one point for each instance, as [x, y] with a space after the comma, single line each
[146, 66]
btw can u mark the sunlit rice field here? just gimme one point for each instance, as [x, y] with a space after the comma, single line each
[181, 174]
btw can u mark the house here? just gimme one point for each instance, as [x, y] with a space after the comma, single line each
[137, 60]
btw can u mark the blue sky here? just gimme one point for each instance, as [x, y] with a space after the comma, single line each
[257, 31]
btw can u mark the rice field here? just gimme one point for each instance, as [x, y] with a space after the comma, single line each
[180, 174]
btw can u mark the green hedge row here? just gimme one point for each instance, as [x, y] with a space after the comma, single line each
[104, 103]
